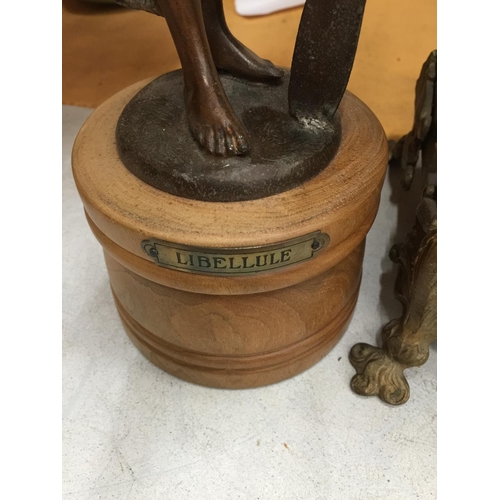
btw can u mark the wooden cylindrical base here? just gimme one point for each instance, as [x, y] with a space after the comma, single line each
[241, 340]
[233, 331]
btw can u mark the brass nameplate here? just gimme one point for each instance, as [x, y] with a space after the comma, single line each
[235, 261]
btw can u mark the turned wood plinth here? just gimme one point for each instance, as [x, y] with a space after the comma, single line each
[233, 330]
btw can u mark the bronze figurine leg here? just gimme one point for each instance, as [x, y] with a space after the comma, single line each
[211, 118]
[229, 53]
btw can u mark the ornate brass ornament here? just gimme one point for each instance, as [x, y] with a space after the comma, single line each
[405, 340]
[235, 261]
[421, 141]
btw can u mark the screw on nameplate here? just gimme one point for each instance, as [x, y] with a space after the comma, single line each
[235, 261]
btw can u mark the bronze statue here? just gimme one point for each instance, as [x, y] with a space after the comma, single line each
[205, 45]
[198, 236]
[256, 130]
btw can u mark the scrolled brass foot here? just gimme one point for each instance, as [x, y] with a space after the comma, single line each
[377, 374]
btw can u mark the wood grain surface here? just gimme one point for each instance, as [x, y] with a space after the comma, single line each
[241, 340]
[233, 331]
[341, 201]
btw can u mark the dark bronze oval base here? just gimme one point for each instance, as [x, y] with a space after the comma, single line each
[155, 144]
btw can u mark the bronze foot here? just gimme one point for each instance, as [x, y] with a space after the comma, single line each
[232, 56]
[229, 54]
[216, 127]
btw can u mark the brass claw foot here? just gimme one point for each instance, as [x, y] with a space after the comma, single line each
[377, 374]
[405, 340]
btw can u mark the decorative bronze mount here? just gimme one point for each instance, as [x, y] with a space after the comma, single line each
[421, 141]
[405, 340]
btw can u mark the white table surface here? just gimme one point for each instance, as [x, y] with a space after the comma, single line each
[131, 431]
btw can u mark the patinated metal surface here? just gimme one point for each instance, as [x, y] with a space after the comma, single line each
[155, 145]
[405, 340]
[235, 261]
[421, 141]
[147, 5]
[205, 45]
[266, 132]
[323, 58]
